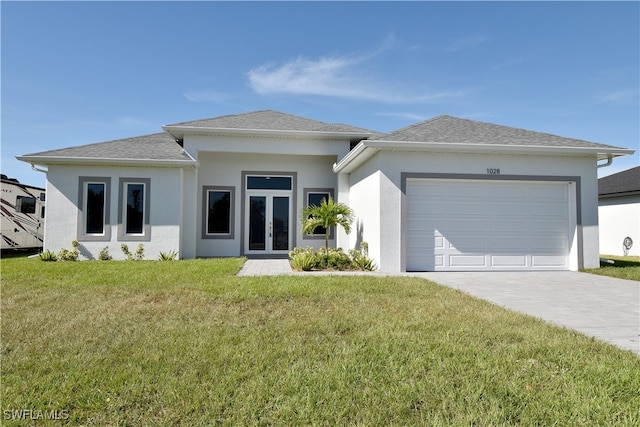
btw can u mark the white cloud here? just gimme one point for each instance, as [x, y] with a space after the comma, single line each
[342, 77]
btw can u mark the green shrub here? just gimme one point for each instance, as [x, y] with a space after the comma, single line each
[137, 256]
[104, 254]
[69, 255]
[332, 259]
[305, 261]
[48, 256]
[168, 256]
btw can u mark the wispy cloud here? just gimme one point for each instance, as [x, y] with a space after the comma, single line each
[619, 97]
[342, 77]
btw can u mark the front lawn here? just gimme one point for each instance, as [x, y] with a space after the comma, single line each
[189, 343]
[621, 267]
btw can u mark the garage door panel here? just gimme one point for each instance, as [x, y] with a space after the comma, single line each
[547, 261]
[502, 209]
[484, 225]
[553, 244]
[467, 243]
[546, 193]
[507, 226]
[466, 261]
[548, 210]
[509, 261]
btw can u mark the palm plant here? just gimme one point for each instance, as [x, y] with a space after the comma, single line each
[328, 214]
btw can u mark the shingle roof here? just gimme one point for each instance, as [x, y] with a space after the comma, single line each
[448, 129]
[620, 184]
[157, 146]
[272, 120]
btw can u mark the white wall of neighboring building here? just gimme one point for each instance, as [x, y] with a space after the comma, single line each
[61, 223]
[619, 217]
[377, 198]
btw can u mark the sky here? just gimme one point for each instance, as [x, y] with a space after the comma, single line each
[75, 73]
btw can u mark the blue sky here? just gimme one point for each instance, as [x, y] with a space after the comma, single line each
[82, 72]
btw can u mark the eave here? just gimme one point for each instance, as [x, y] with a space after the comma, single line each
[96, 161]
[179, 133]
[366, 149]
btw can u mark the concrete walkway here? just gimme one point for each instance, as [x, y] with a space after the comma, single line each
[598, 306]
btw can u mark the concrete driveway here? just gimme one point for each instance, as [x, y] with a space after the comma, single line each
[598, 306]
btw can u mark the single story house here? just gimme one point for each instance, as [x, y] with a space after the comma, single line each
[443, 194]
[619, 212]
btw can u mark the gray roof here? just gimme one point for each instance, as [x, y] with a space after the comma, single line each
[272, 120]
[448, 129]
[157, 146]
[623, 183]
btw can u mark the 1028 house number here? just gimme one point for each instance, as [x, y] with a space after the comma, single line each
[493, 171]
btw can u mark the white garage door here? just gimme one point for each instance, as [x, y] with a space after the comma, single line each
[457, 225]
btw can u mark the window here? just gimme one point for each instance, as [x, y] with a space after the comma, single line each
[93, 213]
[134, 213]
[95, 208]
[314, 197]
[269, 183]
[25, 204]
[133, 209]
[218, 220]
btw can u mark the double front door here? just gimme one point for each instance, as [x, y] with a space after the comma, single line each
[268, 223]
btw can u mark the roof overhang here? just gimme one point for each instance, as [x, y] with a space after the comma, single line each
[366, 149]
[179, 133]
[86, 161]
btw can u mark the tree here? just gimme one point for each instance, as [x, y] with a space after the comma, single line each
[328, 214]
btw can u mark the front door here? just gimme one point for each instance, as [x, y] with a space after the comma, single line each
[267, 228]
[268, 223]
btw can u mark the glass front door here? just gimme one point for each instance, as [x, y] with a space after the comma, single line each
[268, 222]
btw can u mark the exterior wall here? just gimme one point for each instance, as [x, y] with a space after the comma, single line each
[165, 196]
[364, 199]
[225, 170]
[386, 168]
[619, 217]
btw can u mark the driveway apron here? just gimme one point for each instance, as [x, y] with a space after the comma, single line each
[598, 306]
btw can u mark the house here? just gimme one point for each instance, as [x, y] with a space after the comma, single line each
[443, 194]
[619, 213]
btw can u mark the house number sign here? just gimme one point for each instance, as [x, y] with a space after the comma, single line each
[493, 171]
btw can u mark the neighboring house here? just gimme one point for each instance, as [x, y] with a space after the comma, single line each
[619, 212]
[443, 194]
[22, 210]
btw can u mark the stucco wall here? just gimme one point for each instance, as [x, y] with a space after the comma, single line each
[225, 170]
[386, 168]
[619, 217]
[61, 222]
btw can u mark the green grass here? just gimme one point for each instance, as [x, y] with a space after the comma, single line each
[622, 268]
[189, 343]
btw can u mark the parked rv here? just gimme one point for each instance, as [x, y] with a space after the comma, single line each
[22, 209]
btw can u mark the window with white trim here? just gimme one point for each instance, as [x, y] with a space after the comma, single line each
[93, 212]
[133, 209]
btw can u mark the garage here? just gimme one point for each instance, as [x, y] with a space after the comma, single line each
[481, 225]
